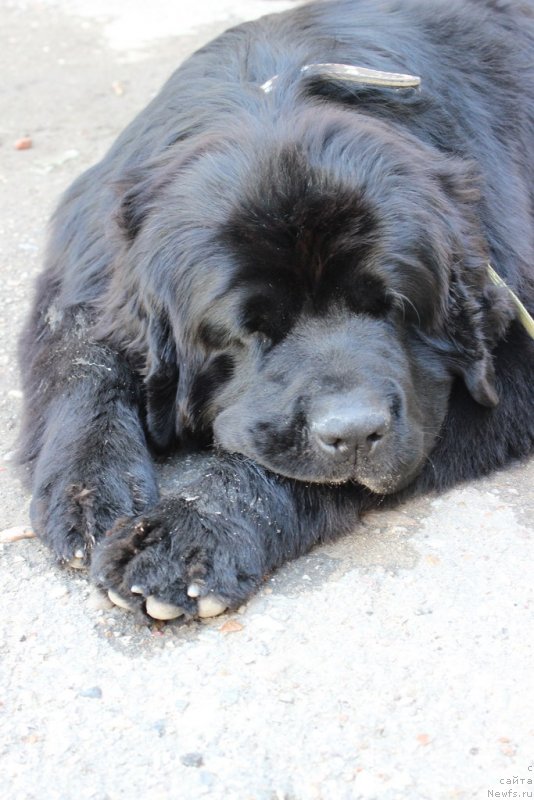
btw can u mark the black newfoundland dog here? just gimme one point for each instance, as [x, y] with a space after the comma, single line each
[285, 261]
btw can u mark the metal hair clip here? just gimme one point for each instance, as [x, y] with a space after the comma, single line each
[361, 75]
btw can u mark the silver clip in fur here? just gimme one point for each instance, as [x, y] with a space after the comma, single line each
[346, 72]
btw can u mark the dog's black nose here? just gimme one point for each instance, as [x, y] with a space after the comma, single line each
[343, 429]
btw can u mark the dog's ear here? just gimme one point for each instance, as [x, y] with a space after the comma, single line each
[478, 316]
[172, 359]
[175, 373]
[477, 313]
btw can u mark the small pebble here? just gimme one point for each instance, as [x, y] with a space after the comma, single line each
[286, 698]
[24, 143]
[159, 727]
[423, 739]
[94, 692]
[192, 759]
[231, 626]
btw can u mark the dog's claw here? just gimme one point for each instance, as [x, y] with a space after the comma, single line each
[158, 609]
[210, 606]
[119, 601]
[77, 562]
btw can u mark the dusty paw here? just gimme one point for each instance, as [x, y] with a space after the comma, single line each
[209, 606]
[170, 564]
[70, 516]
[157, 609]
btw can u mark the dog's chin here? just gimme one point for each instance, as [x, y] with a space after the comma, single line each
[378, 482]
[382, 476]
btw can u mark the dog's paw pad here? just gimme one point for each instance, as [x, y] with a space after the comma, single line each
[158, 609]
[210, 606]
[118, 600]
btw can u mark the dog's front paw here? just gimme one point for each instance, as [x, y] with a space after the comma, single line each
[178, 561]
[72, 509]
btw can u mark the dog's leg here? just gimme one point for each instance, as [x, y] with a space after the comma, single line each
[211, 547]
[82, 437]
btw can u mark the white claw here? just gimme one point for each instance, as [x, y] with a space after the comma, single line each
[79, 553]
[193, 590]
[161, 610]
[210, 606]
[76, 563]
[118, 600]
[136, 589]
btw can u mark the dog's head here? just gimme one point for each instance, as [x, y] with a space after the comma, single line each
[309, 292]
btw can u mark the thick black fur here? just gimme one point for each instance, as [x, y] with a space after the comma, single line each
[297, 278]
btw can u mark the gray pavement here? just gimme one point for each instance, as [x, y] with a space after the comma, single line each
[396, 663]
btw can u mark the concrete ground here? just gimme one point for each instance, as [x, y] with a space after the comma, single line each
[397, 663]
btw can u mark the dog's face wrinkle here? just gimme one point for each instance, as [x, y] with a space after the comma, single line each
[305, 246]
[356, 258]
[264, 413]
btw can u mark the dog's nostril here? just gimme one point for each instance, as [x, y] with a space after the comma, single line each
[374, 437]
[335, 443]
